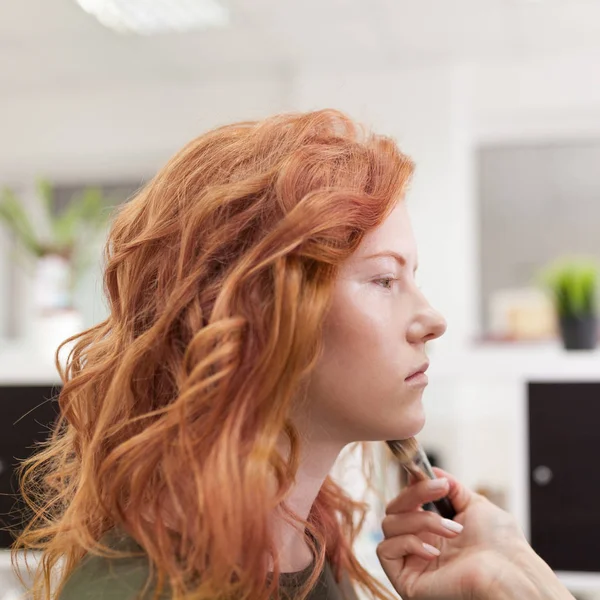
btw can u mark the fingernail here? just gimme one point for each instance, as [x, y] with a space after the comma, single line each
[438, 484]
[452, 525]
[431, 549]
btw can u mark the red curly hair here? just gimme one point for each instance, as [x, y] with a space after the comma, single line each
[218, 275]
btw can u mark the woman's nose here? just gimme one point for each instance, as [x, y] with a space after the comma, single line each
[437, 325]
[428, 325]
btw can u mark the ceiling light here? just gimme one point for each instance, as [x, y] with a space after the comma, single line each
[157, 16]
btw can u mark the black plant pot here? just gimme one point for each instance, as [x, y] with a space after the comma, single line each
[579, 333]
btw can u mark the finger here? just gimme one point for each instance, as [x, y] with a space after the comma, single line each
[459, 495]
[390, 550]
[419, 523]
[418, 494]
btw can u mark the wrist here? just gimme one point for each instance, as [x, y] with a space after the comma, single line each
[530, 577]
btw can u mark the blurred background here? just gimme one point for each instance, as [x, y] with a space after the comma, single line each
[497, 101]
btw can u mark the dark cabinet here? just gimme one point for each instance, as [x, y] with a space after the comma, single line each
[564, 474]
[26, 413]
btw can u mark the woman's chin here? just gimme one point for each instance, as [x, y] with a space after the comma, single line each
[411, 424]
[400, 425]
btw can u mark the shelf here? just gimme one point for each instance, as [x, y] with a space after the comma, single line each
[580, 582]
[518, 361]
[21, 364]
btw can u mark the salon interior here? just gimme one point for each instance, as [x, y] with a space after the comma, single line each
[498, 104]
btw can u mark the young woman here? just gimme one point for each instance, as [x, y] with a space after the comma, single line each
[263, 315]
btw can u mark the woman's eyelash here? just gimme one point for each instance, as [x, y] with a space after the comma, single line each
[385, 279]
[391, 279]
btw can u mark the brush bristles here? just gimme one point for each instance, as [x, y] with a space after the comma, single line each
[406, 452]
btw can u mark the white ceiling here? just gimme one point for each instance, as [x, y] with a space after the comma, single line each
[54, 43]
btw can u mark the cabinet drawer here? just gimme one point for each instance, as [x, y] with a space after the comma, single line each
[564, 482]
[26, 414]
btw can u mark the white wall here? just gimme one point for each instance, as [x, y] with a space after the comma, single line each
[555, 97]
[71, 133]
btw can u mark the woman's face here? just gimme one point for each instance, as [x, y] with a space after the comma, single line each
[374, 340]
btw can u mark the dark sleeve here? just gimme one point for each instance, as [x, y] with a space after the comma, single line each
[347, 588]
[99, 578]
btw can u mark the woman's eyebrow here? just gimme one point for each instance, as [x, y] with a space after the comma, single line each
[400, 258]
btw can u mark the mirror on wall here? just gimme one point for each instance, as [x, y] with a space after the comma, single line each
[538, 202]
[21, 271]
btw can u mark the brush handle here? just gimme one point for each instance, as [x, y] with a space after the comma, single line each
[443, 506]
[415, 462]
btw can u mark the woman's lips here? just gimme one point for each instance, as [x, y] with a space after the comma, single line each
[418, 379]
[418, 376]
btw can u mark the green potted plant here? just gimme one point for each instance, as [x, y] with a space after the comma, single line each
[56, 240]
[573, 284]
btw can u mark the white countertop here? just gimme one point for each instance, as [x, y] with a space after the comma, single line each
[547, 361]
[22, 364]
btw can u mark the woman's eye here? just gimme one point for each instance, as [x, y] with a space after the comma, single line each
[387, 282]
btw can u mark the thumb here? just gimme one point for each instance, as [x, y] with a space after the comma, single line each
[459, 495]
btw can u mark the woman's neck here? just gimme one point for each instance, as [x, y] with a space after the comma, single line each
[317, 458]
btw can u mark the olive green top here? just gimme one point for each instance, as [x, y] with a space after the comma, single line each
[100, 578]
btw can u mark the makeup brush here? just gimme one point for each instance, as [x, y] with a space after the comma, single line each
[412, 457]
